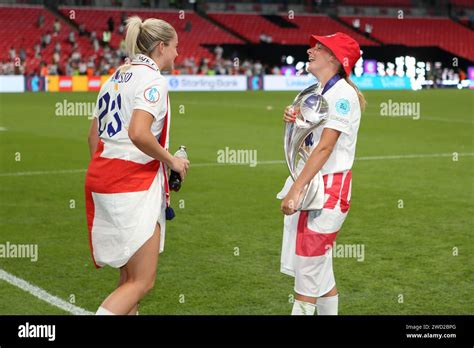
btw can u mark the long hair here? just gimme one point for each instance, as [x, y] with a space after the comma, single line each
[143, 37]
[361, 97]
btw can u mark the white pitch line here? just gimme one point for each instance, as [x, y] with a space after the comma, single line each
[2, 129]
[366, 158]
[215, 164]
[43, 295]
[65, 171]
[370, 158]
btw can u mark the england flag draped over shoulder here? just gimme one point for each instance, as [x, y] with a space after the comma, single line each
[127, 190]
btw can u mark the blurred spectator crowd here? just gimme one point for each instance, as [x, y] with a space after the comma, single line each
[68, 59]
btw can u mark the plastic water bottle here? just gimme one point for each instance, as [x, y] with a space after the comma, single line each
[175, 178]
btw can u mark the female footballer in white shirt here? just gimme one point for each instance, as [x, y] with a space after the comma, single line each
[126, 182]
[309, 235]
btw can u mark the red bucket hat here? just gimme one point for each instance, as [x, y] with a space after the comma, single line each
[345, 48]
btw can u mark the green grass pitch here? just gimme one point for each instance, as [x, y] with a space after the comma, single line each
[418, 259]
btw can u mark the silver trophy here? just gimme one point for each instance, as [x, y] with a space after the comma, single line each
[311, 111]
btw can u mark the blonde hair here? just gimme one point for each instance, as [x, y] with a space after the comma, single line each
[143, 37]
[362, 101]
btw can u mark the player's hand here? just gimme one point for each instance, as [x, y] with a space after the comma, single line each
[291, 201]
[289, 115]
[180, 165]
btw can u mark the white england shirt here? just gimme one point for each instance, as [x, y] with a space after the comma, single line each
[138, 85]
[344, 116]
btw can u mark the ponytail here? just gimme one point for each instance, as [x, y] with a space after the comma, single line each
[134, 26]
[143, 37]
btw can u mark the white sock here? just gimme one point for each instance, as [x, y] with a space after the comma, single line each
[327, 305]
[303, 308]
[103, 311]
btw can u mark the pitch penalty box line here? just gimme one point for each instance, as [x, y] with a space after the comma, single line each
[42, 294]
[214, 164]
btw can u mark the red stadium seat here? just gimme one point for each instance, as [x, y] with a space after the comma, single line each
[463, 3]
[19, 30]
[377, 3]
[252, 26]
[432, 31]
[190, 42]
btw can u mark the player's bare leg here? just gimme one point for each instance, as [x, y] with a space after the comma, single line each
[326, 304]
[123, 280]
[141, 273]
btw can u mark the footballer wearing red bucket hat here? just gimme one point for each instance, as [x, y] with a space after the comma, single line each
[345, 48]
[309, 236]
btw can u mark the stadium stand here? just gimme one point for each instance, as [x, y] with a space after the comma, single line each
[197, 30]
[191, 39]
[462, 3]
[252, 25]
[27, 34]
[20, 29]
[378, 3]
[432, 31]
